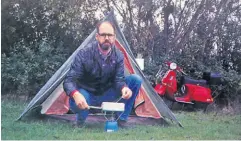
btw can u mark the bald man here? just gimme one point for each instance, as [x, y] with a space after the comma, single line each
[97, 75]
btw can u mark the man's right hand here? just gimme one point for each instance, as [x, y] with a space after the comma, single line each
[80, 100]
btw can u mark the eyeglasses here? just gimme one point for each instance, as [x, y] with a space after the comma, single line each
[104, 35]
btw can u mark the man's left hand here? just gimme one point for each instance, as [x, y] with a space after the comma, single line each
[126, 93]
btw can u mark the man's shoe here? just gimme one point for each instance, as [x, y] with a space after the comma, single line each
[78, 124]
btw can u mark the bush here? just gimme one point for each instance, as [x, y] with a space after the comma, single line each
[25, 71]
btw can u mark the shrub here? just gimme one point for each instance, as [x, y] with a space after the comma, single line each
[27, 69]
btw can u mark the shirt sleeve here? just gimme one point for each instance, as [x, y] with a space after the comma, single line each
[120, 77]
[75, 73]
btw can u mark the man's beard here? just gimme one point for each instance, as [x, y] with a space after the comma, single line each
[106, 45]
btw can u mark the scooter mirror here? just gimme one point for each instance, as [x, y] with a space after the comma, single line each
[173, 66]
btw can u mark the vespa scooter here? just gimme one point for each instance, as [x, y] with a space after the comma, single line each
[187, 91]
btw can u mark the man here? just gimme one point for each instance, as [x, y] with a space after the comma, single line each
[97, 75]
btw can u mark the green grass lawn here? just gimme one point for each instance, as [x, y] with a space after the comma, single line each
[196, 126]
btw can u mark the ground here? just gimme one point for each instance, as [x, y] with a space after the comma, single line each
[197, 125]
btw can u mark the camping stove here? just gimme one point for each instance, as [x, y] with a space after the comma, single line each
[111, 124]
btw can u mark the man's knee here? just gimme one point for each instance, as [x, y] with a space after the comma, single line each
[136, 78]
[86, 94]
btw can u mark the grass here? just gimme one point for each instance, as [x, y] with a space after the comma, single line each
[197, 125]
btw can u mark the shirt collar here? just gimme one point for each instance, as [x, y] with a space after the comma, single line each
[103, 56]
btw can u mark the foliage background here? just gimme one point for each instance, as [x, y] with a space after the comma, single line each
[39, 35]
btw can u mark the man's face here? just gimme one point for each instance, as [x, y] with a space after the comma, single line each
[106, 36]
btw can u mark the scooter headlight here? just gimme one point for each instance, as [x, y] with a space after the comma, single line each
[173, 66]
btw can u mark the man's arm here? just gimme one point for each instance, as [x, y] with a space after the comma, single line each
[70, 82]
[75, 72]
[120, 78]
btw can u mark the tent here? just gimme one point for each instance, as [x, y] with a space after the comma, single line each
[53, 100]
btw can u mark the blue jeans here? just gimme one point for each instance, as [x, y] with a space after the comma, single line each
[132, 81]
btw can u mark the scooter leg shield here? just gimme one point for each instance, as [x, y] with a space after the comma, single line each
[160, 89]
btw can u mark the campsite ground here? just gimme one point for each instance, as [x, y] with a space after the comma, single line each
[197, 125]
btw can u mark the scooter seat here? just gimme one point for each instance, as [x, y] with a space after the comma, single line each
[186, 80]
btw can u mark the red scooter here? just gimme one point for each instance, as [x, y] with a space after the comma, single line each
[187, 90]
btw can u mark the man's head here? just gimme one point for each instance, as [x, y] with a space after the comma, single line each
[105, 35]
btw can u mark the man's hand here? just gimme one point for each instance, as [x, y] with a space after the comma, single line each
[126, 93]
[80, 100]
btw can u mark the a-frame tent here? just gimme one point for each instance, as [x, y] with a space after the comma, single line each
[54, 101]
